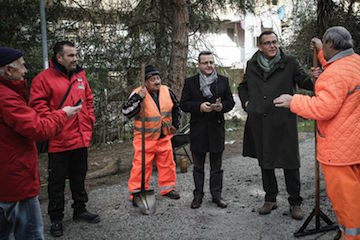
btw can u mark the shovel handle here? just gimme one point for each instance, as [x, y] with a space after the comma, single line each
[143, 132]
[315, 59]
[317, 171]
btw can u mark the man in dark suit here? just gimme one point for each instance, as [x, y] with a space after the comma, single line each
[207, 96]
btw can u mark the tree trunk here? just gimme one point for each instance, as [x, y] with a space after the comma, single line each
[324, 8]
[179, 48]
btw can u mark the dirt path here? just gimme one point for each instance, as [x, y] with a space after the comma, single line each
[176, 220]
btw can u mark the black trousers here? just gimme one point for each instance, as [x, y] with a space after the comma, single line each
[216, 174]
[292, 181]
[71, 164]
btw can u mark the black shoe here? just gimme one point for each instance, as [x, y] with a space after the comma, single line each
[86, 216]
[56, 228]
[219, 202]
[172, 195]
[196, 203]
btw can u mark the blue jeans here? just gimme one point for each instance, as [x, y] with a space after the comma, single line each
[21, 218]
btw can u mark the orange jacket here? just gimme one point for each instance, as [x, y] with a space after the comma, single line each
[336, 107]
[155, 120]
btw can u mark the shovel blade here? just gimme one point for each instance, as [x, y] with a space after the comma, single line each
[145, 201]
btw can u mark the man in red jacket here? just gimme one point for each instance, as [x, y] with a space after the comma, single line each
[20, 126]
[68, 150]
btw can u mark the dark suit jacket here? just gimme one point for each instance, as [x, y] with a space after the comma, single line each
[207, 132]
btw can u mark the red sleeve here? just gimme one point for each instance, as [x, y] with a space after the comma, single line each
[25, 121]
[39, 99]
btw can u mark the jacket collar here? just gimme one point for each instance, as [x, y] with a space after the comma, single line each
[19, 86]
[341, 54]
[279, 64]
[54, 63]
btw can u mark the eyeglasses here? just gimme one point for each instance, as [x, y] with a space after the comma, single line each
[207, 62]
[269, 43]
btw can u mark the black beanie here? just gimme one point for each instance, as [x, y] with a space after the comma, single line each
[8, 55]
[150, 71]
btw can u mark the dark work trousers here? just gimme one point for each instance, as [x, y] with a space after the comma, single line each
[71, 164]
[292, 180]
[216, 174]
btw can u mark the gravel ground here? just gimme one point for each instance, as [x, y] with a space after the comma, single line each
[174, 219]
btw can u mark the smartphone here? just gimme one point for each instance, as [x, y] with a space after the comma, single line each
[78, 102]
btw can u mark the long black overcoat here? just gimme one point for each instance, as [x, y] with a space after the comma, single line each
[207, 130]
[271, 133]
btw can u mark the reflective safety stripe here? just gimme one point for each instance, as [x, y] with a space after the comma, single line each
[156, 120]
[350, 231]
[148, 119]
[148, 130]
[167, 124]
[357, 88]
[166, 114]
[166, 188]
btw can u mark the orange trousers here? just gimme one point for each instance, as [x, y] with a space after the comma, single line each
[161, 152]
[343, 189]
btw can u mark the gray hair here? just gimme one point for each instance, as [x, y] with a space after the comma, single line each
[340, 37]
[2, 69]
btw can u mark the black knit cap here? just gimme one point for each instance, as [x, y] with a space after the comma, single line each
[8, 55]
[150, 71]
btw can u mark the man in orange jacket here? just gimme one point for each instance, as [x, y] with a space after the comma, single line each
[162, 118]
[336, 108]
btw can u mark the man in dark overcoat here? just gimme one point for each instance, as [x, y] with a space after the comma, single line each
[271, 133]
[207, 96]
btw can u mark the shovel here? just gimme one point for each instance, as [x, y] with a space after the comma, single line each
[145, 199]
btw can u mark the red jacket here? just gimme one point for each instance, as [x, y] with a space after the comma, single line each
[48, 89]
[336, 107]
[19, 127]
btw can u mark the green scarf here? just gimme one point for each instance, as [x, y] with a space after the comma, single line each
[266, 64]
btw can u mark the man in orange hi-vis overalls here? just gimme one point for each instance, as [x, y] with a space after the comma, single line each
[336, 107]
[162, 118]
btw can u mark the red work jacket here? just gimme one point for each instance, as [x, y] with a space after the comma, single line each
[48, 89]
[20, 125]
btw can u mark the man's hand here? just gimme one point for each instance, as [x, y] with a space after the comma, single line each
[172, 130]
[142, 92]
[283, 101]
[217, 106]
[316, 43]
[71, 111]
[315, 72]
[205, 107]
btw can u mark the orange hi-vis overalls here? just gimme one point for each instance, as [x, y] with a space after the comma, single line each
[156, 148]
